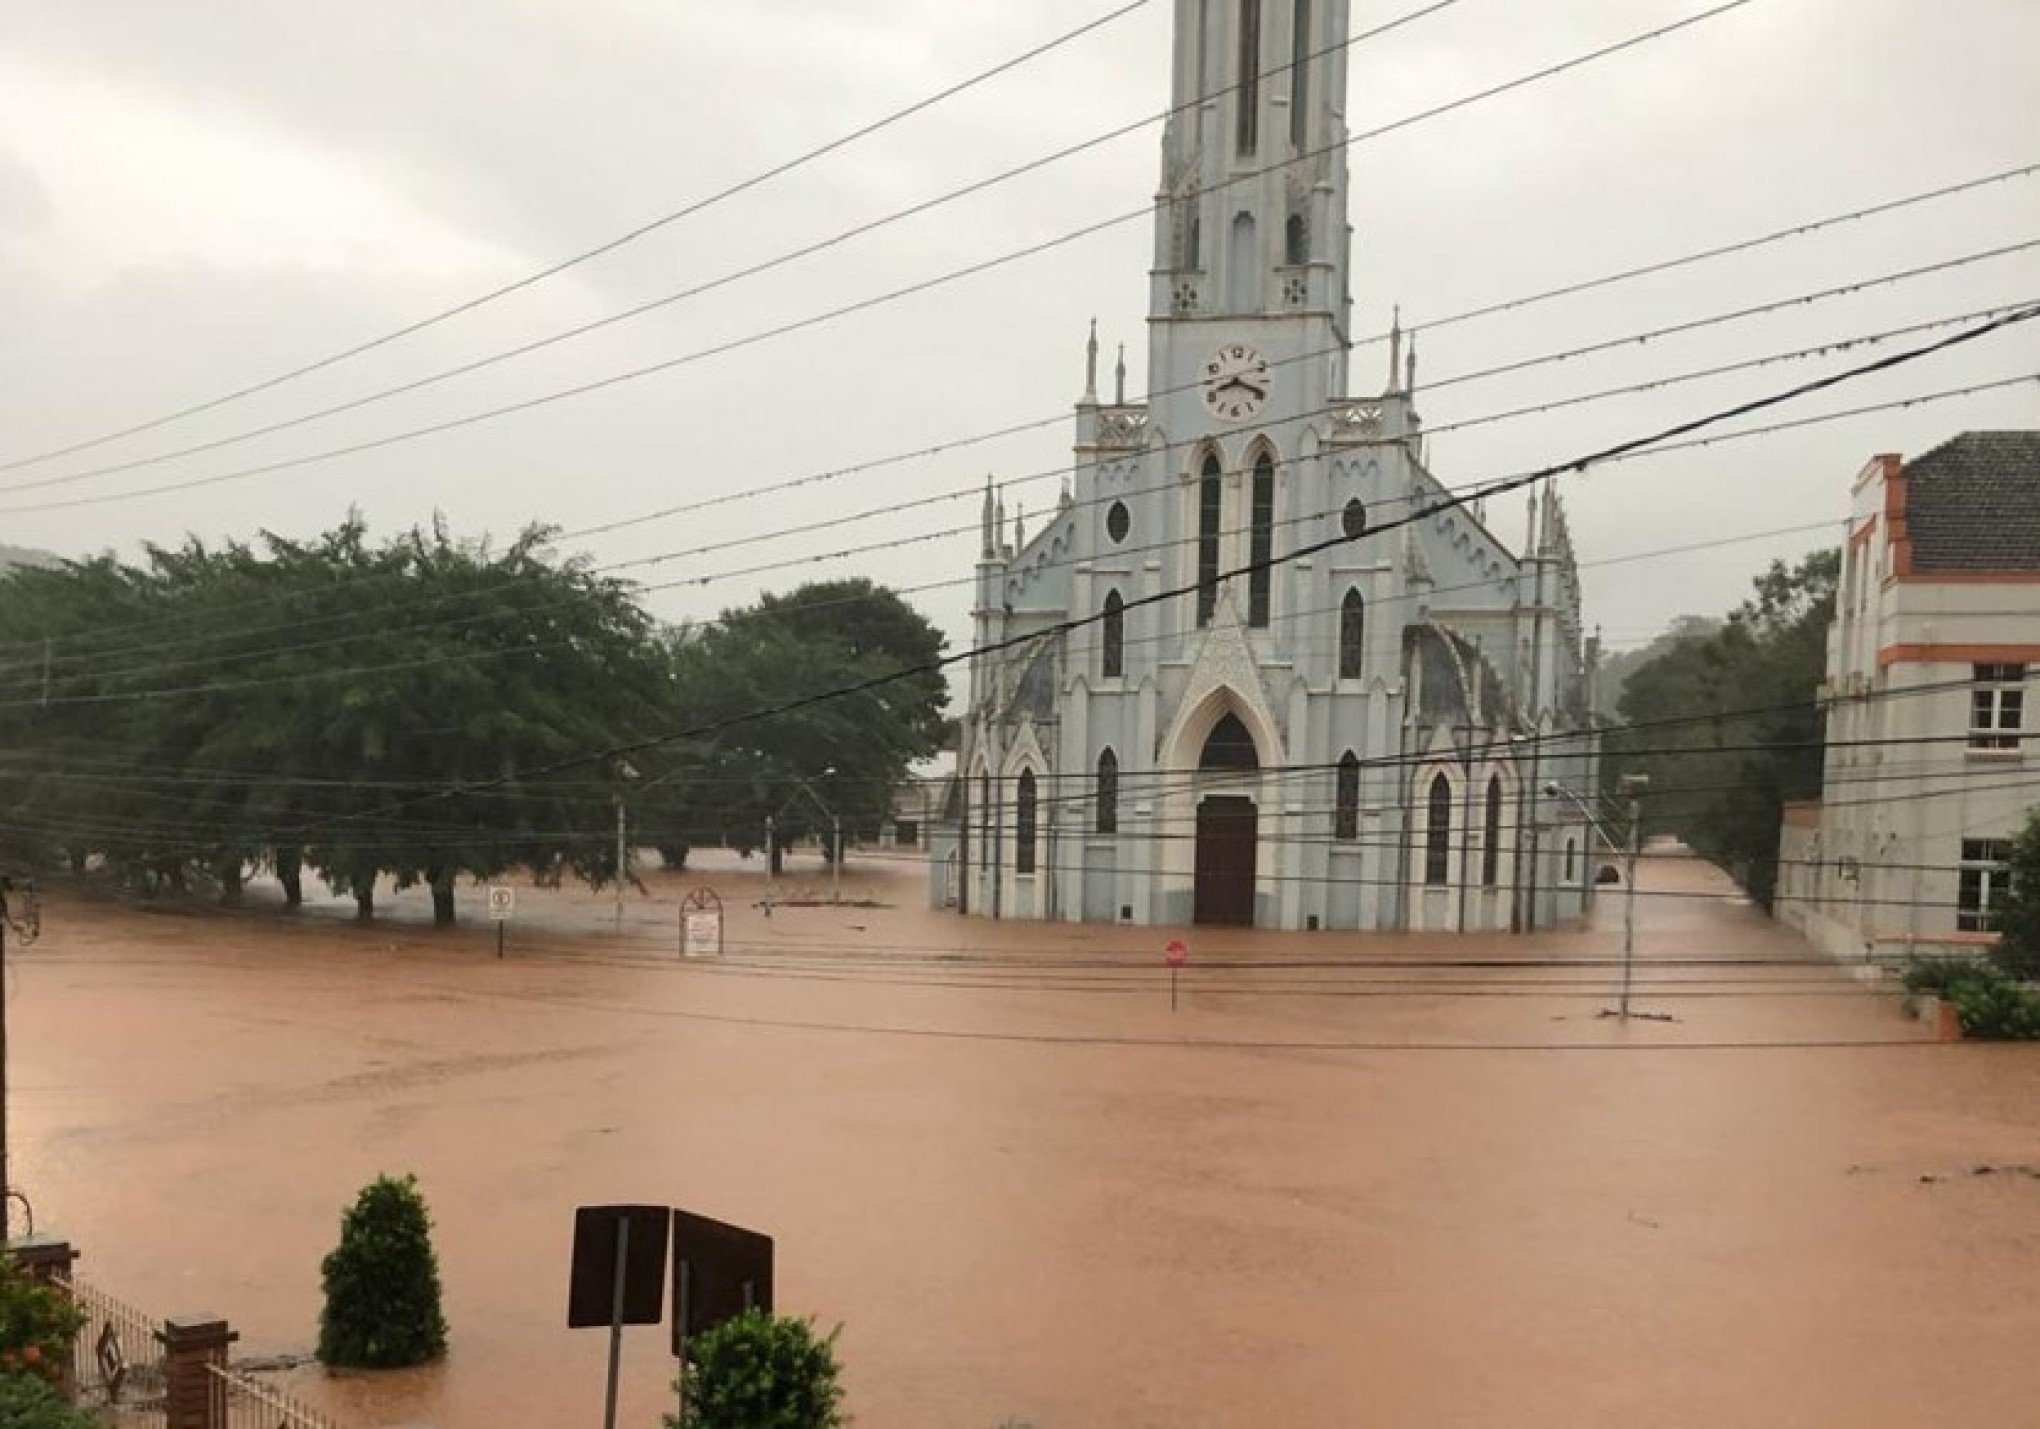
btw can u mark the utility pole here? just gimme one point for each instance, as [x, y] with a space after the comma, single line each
[836, 860]
[1633, 787]
[621, 873]
[23, 915]
[625, 774]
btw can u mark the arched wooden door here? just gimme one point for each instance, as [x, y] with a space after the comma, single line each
[1228, 840]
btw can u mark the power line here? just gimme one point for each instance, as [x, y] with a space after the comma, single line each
[1580, 464]
[861, 305]
[40, 665]
[608, 246]
[700, 289]
[750, 490]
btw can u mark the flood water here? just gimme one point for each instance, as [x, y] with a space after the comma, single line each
[1352, 1181]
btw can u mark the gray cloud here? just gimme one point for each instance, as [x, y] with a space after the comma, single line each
[479, 139]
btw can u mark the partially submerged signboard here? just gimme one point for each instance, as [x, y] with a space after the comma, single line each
[719, 1271]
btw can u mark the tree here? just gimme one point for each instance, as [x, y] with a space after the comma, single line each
[2016, 915]
[382, 1283]
[761, 1371]
[38, 1322]
[28, 1401]
[853, 752]
[1722, 783]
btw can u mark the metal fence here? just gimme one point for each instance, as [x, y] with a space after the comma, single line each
[117, 1360]
[243, 1403]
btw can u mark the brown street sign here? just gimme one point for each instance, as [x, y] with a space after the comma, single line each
[591, 1294]
[719, 1271]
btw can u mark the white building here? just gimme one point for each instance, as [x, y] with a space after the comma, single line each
[1339, 741]
[1936, 635]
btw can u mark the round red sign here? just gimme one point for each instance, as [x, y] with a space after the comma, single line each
[1178, 953]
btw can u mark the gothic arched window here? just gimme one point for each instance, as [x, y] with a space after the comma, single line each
[1250, 75]
[1438, 833]
[1210, 503]
[1024, 811]
[1346, 800]
[1491, 850]
[1243, 290]
[1299, 76]
[1108, 793]
[1296, 241]
[1229, 747]
[1113, 636]
[1193, 239]
[1352, 634]
[1262, 548]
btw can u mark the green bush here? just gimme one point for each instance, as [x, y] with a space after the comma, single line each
[38, 1322]
[28, 1402]
[762, 1371]
[382, 1283]
[1937, 975]
[1994, 1006]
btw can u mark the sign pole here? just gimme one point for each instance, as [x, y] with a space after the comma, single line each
[680, 1334]
[1172, 989]
[499, 939]
[616, 1319]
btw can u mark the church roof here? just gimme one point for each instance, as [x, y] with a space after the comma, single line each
[1973, 503]
[1455, 683]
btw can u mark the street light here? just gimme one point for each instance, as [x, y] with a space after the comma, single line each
[1633, 787]
[20, 911]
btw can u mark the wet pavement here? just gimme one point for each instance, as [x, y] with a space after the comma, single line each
[1393, 1181]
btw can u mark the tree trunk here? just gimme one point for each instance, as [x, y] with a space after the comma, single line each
[364, 903]
[230, 882]
[778, 858]
[78, 860]
[290, 872]
[442, 899]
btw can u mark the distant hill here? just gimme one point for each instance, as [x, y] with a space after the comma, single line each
[12, 556]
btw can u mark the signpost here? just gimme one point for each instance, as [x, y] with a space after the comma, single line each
[1177, 953]
[502, 904]
[618, 1277]
[701, 924]
[719, 1272]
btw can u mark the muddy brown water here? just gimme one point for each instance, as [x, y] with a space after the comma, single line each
[1355, 1181]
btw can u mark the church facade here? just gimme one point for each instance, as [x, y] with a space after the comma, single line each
[1357, 738]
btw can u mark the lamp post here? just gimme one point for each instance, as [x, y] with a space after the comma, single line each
[1633, 787]
[21, 912]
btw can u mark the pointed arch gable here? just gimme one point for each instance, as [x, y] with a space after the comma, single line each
[1200, 715]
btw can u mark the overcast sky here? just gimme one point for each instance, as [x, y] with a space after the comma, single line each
[196, 195]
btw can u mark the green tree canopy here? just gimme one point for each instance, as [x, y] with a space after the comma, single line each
[2017, 913]
[1722, 783]
[424, 709]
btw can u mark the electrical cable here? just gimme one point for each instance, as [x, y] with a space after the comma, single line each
[861, 305]
[586, 255]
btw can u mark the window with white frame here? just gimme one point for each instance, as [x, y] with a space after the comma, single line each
[1984, 878]
[1997, 707]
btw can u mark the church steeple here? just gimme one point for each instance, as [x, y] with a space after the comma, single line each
[1251, 219]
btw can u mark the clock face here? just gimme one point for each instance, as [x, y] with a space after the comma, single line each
[1236, 383]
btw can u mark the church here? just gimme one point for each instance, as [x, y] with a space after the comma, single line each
[1385, 734]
